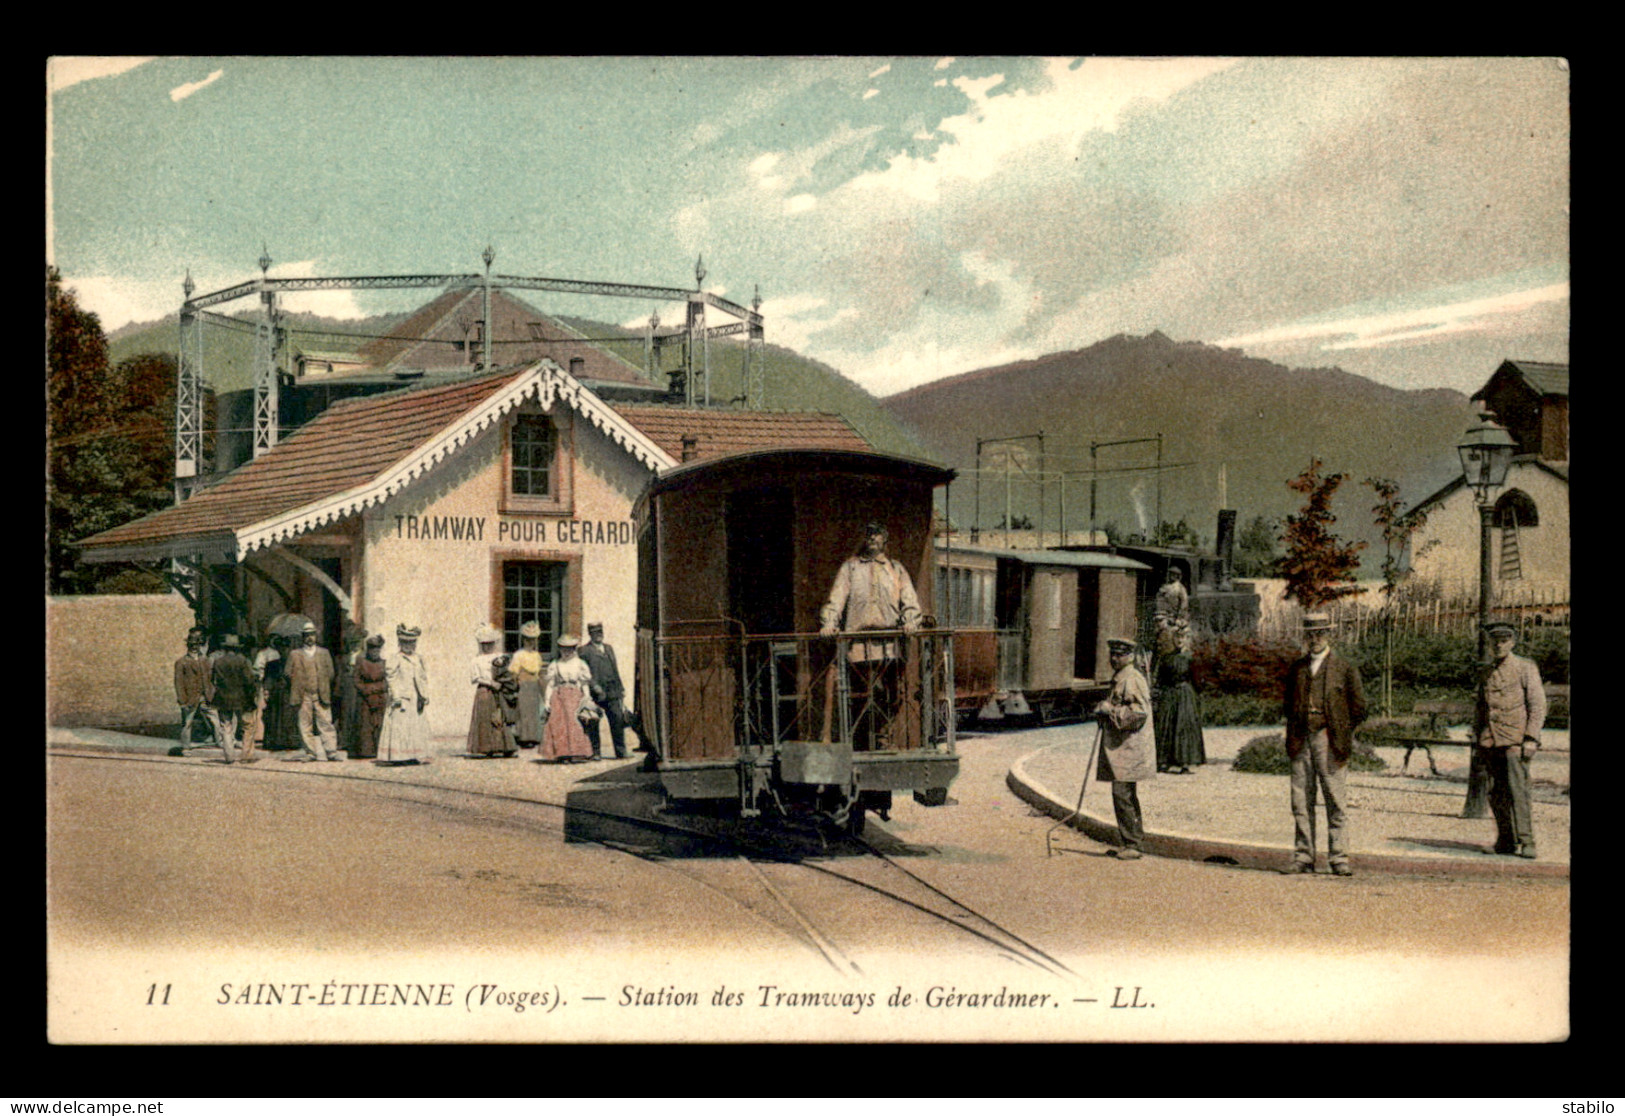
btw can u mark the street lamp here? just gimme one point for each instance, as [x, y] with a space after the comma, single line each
[1486, 453]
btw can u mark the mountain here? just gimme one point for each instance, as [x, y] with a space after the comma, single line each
[1261, 421]
[793, 382]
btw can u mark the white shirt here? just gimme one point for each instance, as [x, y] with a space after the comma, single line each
[1316, 660]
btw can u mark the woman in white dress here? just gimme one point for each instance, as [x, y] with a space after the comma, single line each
[567, 699]
[405, 738]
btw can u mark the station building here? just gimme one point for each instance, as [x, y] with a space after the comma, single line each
[496, 498]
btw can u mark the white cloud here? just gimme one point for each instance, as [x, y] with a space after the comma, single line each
[871, 93]
[940, 82]
[63, 72]
[329, 304]
[1477, 315]
[181, 92]
[880, 71]
[800, 203]
[944, 63]
[1090, 98]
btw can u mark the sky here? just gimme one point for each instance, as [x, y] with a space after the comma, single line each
[904, 218]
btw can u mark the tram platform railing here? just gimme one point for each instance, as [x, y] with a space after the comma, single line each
[876, 691]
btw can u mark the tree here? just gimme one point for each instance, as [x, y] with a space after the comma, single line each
[1397, 526]
[1256, 554]
[110, 458]
[1318, 566]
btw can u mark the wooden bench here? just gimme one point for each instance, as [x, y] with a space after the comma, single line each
[1457, 710]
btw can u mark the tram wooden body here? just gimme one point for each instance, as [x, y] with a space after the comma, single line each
[741, 699]
[1030, 627]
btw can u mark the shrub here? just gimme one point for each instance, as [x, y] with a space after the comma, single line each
[1266, 755]
[1243, 666]
[1240, 709]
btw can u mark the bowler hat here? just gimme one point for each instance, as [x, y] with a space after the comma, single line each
[595, 627]
[375, 641]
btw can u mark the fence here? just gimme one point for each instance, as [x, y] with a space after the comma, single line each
[1523, 607]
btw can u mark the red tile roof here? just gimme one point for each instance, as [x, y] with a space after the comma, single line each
[721, 433]
[349, 444]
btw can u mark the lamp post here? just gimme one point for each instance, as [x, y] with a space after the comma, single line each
[1486, 453]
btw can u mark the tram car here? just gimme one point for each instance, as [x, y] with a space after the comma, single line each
[743, 702]
[1030, 627]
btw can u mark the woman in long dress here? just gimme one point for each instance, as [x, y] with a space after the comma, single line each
[1178, 714]
[567, 699]
[486, 735]
[405, 738]
[528, 669]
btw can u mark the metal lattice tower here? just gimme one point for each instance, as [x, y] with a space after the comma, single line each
[755, 366]
[266, 401]
[189, 400]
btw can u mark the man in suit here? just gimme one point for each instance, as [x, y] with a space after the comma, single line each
[310, 690]
[1324, 705]
[1510, 712]
[607, 690]
[1128, 739]
[193, 688]
[235, 691]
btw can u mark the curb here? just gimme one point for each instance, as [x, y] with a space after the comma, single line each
[1250, 854]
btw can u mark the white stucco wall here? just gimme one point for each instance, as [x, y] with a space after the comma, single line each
[445, 585]
[1452, 564]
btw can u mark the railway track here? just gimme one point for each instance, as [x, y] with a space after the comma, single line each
[772, 881]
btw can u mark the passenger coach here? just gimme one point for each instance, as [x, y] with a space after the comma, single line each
[741, 700]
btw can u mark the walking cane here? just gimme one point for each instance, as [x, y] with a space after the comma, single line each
[1094, 749]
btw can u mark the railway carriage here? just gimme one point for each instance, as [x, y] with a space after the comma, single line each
[1030, 627]
[742, 701]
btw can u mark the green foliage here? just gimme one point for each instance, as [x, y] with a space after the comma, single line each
[1380, 730]
[1243, 666]
[110, 454]
[1266, 755]
[1397, 526]
[1256, 553]
[1318, 567]
[1241, 709]
[1167, 534]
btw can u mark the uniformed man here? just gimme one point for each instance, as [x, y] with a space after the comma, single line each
[872, 593]
[1128, 744]
[607, 690]
[1324, 705]
[193, 686]
[1510, 712]
[310, 690]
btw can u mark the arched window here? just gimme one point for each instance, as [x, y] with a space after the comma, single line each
[1516, 509]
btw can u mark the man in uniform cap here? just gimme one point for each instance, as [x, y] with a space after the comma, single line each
[607, 690]
[872, 593]
[310, 690]
[1128, 739]
[1324, 704]
[1510, 712]
[193, 687]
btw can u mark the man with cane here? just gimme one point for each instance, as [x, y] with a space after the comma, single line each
[1128, 744]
